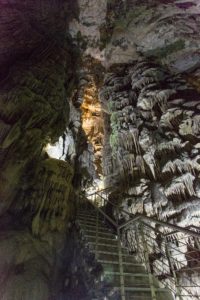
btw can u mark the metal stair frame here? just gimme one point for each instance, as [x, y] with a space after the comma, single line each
[142, 222]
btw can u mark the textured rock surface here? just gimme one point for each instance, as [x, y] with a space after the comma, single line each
[27, 265]
[92, 123]
[154, 140]
[167, 30]
[33, 104]
[117, 31]
[85, 28]
[52, 185]
[35, 78]
[51, 52]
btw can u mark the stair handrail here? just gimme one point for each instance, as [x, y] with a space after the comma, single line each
[143, 221]
[140, 217]
[108, 201]
[102, 212]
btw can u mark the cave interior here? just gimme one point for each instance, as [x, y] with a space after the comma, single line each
[99, 123]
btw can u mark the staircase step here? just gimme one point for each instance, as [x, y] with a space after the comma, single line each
[87, 217]
[86, 213]
[116, 253]
[109, 256]
[107, 248]
[90, 217]
[145, 294]
[132, 268]
[92, 238]
[142, 293]
[139, 297]
[107, 245]
[93, 227]
[101, 234]
[128, 274]
[109, 242]
[117, 262]
[129, 281]
[88, 222]
[100, 226]
[138, 289]
[93, 219]
[136, 278]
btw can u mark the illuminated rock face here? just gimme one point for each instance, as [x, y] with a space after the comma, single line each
[86, 28]
[154, 142]
[119, 31]
[151, 120]
[166, 30]
[92, 123]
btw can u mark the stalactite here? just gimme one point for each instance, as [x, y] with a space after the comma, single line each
[180, 185]
[182, 166]
[171, 146]
[151, 162]
[152, 136]
[139, 84]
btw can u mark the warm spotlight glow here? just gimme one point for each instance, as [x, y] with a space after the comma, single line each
[92, 123]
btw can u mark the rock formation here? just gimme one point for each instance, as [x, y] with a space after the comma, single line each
[35, 62]
[154, 140]
[91, 89]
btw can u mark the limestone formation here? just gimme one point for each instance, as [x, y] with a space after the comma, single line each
[154, 136]
[92, 90]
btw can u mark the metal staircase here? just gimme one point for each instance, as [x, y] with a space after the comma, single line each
[128, 277]
[149, 264]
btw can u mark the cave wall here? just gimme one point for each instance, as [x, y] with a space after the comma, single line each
[150, 142]
[124, 32]
[34, 107]
[154, 140]
[36, 81]
[51, 51]
[120, 31]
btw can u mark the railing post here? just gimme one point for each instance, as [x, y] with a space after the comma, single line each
[104, 207]
[142, 245]
[95, 199]
[196, 240]
[97, 235]
[121, 269]
[171, 265]
[137, 234]
[147, 263]
[117, 218]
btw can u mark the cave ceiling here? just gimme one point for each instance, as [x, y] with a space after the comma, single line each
[99, 40]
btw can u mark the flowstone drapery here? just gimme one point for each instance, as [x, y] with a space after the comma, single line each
[154, 140]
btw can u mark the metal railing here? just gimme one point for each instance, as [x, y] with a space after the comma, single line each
[169, 252]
